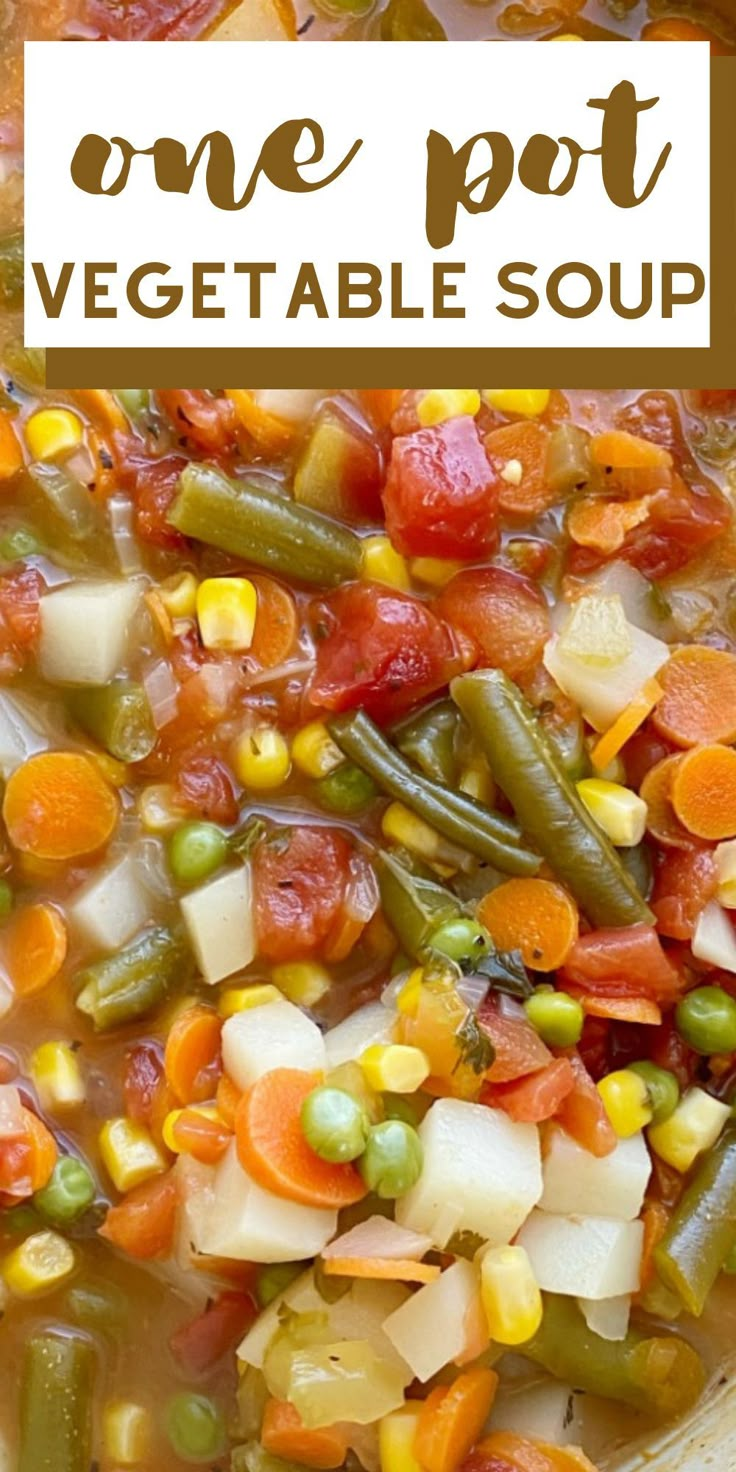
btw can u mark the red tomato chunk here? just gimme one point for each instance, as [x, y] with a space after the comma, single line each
[441, 493]
[299, 877]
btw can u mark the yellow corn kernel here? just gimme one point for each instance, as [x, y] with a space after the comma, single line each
[241, 998]
[314, 752]
[626, 1101]
[401, 826]
[621, 813]
[126, 1432]
[407, 1000]
[261, 758]
[52, 433]
[439, 404]
[395, 1068]
[113, 771]
[129, 1154]
[396, 1437]
[179, 594]
[39, 1265]
[510, 1295]
[303, 982]
[383, 564]
[434, 571]
[158, 808]
[476, 780]
[694, 1127]
[527, 401]
[615, 771]
[57, 1076]
[208, 1111]
[725, 857]
[567, 36]
[226, 612]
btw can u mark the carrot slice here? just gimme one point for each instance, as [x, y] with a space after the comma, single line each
[631, 718]
[527, 443]
[621, 1009]
[704, 791]
[604, 525]
[192, 1062]
[34, 947]
[204, 1139]
[44, 1152]
[699, 702]
[143, 1223]
[103, 407]
[11, 455]
[662, 820]
[624, 451]
[58, 806]
[655, 1218]
[284, 1435]
[272, 435]
[534, 916]
[514, 1453]
[401, 1269]
[451, 1418]
[273, 1150]
[274, 635]
[227, 1099]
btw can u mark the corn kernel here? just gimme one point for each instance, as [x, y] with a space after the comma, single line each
[383, 564]
[179, 595]
[626, 1101]
[694, 1127]
[434, 571]
[402, 826]
[113, 771]
[158, 808]
[126, 1432]
[396, 1437]
[439, 404]
[303, 982]
[567, 36]
[314, 752]
[129, 1154]
[261, 758]
[241, 998]
[52, 433]
[407, 1000]
[725, 857]
[394, 1068]
[476, 780]
[510, 1295]
[226, 612]
[527, 401]
[621, 813]
[57, 1076]
[208, 1111]
[39, 1265]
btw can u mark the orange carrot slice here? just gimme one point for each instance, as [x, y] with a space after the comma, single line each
[34, 947]
[451, 1419]
[192, 1056]
[203, 1138]
[662, 820]
[272, 435]
[604, 525]
[655, 1218]
[284, 1435]
[11, 455]
[276, 627]
[534, 916]
[273, 1150]
[631, 718]
[402, 1270]
[624, 451]
[58, 806]
[527, 443]
[227, 1099]
[621, 1009]
[704, 791]
[44, 1152]
[699, 702]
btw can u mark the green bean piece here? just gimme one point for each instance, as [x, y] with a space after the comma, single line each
[638, 863]
[100, 1307]
[702, 1229]
[568, 466]
[135, 404]
[456, 816]
[429, 740]
[661, 1375]
[545, 800]
[410, 20]
[56, 1404]
[266, 529]
[11, 269]
[126, 986]
[413, 906]
[119, 717]
[274, 1277]
[346, 790]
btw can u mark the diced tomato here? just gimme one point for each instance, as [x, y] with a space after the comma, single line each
[198, 1345]
[149, 20]
[154, 485]
[206, 421]
[519, 1049]
[143, 1223]
[20, 594]
[669, 1050]
[380, 649]
[299, 879]
[16, 1169]
[441, 493]
[144, 1071]
[536, 1097]
[204, 784]
[686, 880]
[582, 1112]
[714, 400]
[625, 962]
[503, 612]
[642, 752]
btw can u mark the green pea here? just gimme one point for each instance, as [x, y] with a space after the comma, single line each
[18, 544]
[274, 1278]
[346, 790]
[69, 1192]
[335, 1125]
[556, 1016]
[195, 1426]
[196, 849]
[706, 1019]
[462, 940]
[392, 1161]
[6, 898]
[662, 1088]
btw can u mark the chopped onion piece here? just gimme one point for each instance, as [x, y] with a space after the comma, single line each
[120, 511]
[715, 939]
[473, 990]
[162, 692]
[379, 1237]
[24, 730]
[290, 669]
[361, 894]
[12, 1126]
[607, 1317]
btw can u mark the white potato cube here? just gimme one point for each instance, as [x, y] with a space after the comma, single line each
[84, 631]
[586, 1257]
[430, 1329]
[369, 1025]
[714, 940]
[219, 919]
[607, 1317]
[275, 1035]
[575, 1180]
[107, 911]
[252, 1225]
[481, 1173]
[603, 692]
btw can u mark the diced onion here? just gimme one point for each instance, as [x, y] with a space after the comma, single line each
[289, 670]
[162, 691]
[380, 1237]
[361, 893]
[11, 1113]
[121, 524]
[473, 990]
